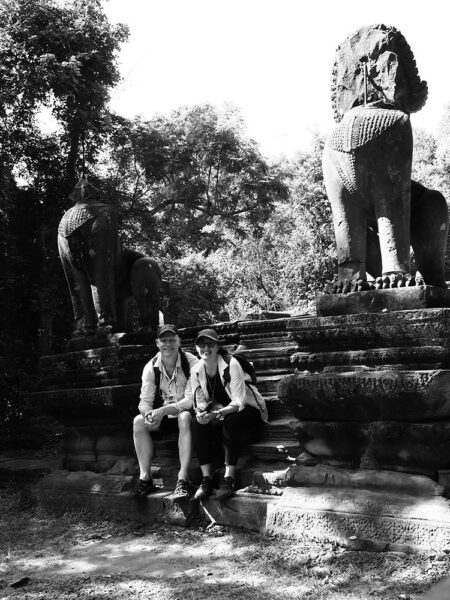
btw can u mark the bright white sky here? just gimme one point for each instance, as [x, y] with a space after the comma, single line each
[270, 58]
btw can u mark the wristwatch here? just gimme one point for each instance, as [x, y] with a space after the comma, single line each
[220, 416]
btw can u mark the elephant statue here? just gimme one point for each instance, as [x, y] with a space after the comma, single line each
[378, 211]
[100, 274]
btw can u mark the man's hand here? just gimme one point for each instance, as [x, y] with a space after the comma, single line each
[153, 419]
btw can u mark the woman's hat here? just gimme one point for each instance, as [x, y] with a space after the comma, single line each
[167, 329]
[207, 333]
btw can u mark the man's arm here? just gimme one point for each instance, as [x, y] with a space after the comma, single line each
[148, 390]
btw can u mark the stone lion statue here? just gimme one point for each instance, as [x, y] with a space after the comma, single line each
[378, 212]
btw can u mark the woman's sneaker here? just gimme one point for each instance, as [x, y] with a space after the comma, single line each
[144, 488]
[205, 489]
[225, 490]
[181, 491]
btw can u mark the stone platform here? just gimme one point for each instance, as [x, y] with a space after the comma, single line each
[376, 512]
[373, 390]
[405, 298]
[368, 404]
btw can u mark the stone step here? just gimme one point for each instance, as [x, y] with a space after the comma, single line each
[269, 351]
[278, 428]
[92, 379]
[273, 450]
[259, 343]
[427, 327]
[384, 520]
[268, 384]
[23, 470]
[368, 395]
[76, 402]
[110, 358]
[410, 447]
[395, 357]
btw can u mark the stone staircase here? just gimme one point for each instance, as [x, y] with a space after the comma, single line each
[95, 393]
[369, 401]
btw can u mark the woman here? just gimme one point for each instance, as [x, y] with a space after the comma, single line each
[164, 382]
[225, 405]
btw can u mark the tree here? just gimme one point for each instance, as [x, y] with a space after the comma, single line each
[193, 170]
[293, 257]
[58, 57]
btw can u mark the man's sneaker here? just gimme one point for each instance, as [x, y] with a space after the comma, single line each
[181, 491]
[225, 490]
[205, 489]
[144, 488]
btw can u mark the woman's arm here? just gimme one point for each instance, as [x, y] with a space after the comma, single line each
[237, 388]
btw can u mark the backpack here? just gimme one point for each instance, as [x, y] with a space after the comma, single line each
[158, 401]
[246, 365]
[248, 368]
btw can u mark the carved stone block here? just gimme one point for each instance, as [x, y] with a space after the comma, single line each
[372, 301]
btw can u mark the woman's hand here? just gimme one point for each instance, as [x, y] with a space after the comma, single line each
[204, 417]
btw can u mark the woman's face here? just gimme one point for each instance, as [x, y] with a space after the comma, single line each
[207, 349]
[168, 345]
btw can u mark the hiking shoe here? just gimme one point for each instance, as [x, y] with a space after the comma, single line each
[181, 491]
[225, 490]
[144, 488]
[205, 489]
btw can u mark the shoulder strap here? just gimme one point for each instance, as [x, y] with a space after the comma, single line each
[157, 402]
[246, 365]
[226, 373]
[185, 364]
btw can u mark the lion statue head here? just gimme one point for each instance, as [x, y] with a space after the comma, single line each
[391, 79]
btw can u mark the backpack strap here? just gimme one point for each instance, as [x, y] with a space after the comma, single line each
[249, 384]
[185, 364]
[226, 373]
[157, 402]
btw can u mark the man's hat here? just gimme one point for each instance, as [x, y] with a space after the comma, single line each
[207, 333]
[167, 329]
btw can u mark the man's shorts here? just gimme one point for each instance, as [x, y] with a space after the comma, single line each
[169, 425]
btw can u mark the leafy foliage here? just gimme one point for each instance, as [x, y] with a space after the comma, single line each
[58, 57]
[283, 265]
[194, 171]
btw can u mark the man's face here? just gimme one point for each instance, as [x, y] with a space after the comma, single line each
[168, 343]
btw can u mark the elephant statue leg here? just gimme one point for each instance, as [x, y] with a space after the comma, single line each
[350, 223]
[145, 283]
[429, 233]
[103, 251]
[85, 315]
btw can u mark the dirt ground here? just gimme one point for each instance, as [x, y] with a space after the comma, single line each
[75, 557]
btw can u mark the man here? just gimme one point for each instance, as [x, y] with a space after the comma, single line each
[163, 408]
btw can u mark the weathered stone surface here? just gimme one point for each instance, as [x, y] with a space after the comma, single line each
[320, 514]
[368, 395]
[410, 357]
[105, 340]
[89, 402]
[427, 327]
[415, 447]
[95, 366]
[440, 592]
[384, 481]
[22, 470]
[248, 511]
[335, 515]
[373, 301]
